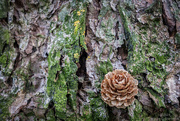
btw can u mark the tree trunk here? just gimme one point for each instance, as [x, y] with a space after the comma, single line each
[54, 55]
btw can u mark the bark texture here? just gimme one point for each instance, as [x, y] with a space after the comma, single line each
[54, 55]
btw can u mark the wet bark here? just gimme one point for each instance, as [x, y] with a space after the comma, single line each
[54, 55]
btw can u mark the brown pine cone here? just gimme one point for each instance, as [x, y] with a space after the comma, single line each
[119, 88]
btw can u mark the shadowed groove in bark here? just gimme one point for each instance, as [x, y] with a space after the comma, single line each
[168, 18]
[123, 53]
[81, 72]
[17, 60]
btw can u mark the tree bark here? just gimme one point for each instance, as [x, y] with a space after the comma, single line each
[54, 55]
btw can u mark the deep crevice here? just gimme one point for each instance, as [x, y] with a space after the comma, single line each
[4, 47]
[169, 21]
[16, 45]
[123, 53]
[144, 75]
[4, 21]
[16, 61]
[19, 3]
[9, 81]
[179, 100]
[50, 107]
[81, 72]
[116, 30]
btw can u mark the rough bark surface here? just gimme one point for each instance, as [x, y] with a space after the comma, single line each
[54, 55]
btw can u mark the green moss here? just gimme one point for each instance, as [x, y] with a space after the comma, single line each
[138, 113]
[4, 7]
[50, 116]
[57, 85]
[87, 114]
[6, 55]
[103, 68]
[149, 66]
[60, 102]
[4, 106]
[4, 41]
[62, 82]
[158, 99]
[4, 38]
[6, 51]
[147, 55]
[177, 38]
[69, 72]
[98, 109]
[161, 59]
[3, 60]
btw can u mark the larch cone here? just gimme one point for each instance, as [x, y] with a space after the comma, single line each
[119, 88]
